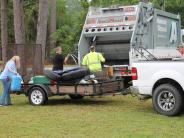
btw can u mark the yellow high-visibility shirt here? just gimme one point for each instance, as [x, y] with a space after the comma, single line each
[93, 61]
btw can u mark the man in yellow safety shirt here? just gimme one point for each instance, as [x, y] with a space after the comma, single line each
[93, 60]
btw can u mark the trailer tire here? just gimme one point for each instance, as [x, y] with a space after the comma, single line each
[75, 96]
[167, 100]
[37, 96]
[51, 75]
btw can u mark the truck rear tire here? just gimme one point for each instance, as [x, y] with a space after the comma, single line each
[167, 100]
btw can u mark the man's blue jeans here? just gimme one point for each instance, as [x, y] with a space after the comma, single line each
[5, 97]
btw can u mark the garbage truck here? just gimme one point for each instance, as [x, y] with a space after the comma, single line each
[124, 34]
[143, 43]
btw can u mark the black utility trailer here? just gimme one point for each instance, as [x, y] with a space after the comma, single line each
[56, 83]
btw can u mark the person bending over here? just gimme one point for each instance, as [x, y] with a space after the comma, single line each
[8, 72]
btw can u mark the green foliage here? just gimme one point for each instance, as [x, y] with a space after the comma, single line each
[64, 36]
[71, 16]
[176, 7]
[31, 16]
[82, 16]
[70, 19]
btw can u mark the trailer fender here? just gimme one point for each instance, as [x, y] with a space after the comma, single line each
[44, 87]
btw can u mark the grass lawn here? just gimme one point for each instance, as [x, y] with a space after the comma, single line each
[108, 117]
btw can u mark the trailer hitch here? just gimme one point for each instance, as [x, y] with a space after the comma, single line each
[134, 93]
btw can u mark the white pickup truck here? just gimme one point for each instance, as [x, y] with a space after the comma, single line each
[163, 81]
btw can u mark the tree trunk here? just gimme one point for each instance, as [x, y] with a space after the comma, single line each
[19, 30]
[41, 33]
[52, 25]
[162, 5]
[4, 29]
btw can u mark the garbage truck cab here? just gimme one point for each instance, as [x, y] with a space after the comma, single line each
[125, 34]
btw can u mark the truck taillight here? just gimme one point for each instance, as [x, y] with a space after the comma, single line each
[134, 73]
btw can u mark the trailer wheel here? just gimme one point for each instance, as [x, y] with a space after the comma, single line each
[75, 96]
[167, 100]
[37, 96]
